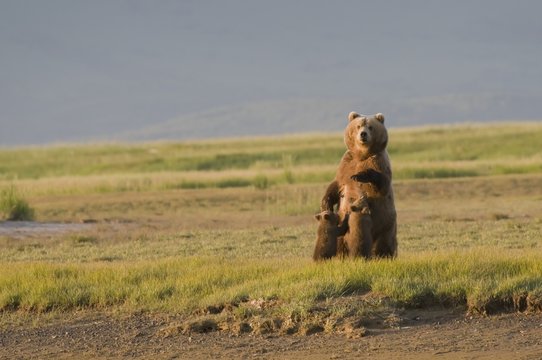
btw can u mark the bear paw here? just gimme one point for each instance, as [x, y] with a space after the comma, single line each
[367, 176]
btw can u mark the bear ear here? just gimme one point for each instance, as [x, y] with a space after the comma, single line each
[353, 115]
[327, 216]
[380, 117]
[318, 216]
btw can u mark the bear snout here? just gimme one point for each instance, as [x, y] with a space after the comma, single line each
[364, 136]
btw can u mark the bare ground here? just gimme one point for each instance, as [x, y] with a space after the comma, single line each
[420, 334]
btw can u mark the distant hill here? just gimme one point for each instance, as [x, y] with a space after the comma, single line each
[313, 115]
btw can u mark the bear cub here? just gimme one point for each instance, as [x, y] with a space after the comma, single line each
[358, 239]
[328, 232]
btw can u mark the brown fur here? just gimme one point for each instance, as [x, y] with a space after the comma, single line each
[328, 232]
[365, 170]
[359, 239]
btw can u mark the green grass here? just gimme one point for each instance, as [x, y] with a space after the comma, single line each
[156, 157]
[13, 206]
[191, 283]
[180, 227]
[465, 145]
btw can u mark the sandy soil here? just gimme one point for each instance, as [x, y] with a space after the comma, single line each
[422, 334]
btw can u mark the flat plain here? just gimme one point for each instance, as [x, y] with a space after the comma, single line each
[203, 249]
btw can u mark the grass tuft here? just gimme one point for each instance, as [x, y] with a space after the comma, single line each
[13, 206]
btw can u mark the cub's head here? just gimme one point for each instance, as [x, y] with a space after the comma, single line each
[361, 205]
[366, 134]
[327, 217]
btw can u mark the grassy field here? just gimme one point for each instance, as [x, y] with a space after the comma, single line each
[429, 152]
[198, 227]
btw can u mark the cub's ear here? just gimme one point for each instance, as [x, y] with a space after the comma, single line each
[353, 115]
[327, 216]
[380, 117]
[318, 216]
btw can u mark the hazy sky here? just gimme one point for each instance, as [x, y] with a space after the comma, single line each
[86, 69]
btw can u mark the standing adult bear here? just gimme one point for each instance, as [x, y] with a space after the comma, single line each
[365, 170]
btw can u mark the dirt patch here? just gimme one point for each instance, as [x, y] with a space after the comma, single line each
[423, 334]
[361, 329]
[23, 229]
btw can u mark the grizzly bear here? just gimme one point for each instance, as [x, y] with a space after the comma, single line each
[359, 240]
[365, 170]
[328, 232]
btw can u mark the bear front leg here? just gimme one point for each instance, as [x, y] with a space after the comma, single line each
[378, 179]
[331, 197]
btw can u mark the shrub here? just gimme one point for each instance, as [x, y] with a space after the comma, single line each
[13, 206]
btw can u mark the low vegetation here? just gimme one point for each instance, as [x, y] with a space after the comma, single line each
[427, 152]
[484, 282]
[13, 206]
[208, 232]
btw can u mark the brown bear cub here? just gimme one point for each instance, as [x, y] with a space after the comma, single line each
[328, 232]
[359, 240]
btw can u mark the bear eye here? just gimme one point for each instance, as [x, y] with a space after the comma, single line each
[359, 127]
[370, 128]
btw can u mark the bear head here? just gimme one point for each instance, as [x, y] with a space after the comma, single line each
[366, 135]
[328, 217]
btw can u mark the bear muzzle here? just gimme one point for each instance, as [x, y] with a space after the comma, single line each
[364, 137]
